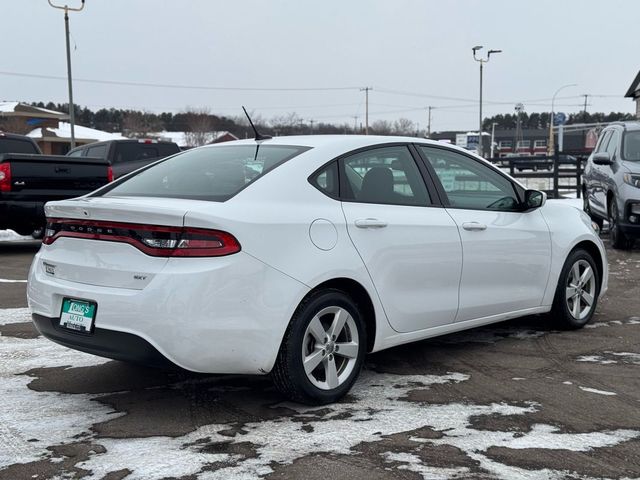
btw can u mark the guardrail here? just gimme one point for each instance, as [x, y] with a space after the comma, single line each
[563, 171]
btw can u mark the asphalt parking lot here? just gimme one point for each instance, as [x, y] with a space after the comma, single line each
[515, 400]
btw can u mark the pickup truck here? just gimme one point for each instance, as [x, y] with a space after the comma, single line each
[29, 179]
[126, 156]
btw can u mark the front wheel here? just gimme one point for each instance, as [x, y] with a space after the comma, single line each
[577, 292]
[323, 349]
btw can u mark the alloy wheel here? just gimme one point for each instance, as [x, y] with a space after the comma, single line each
[580, 289]
[330, 348]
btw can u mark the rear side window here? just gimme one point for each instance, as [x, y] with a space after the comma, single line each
[386, 175]
[326, 180]
[76, 153]
[210, 173]
[11, 145]
[99, 151]
[134, 151]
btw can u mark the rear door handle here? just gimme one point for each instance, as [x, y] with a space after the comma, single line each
[370, 223]
[474, 226]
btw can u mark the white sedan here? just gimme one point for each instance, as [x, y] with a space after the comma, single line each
[296, 256]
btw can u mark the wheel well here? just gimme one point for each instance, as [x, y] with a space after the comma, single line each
[609, 198]
[594, 252]
[359, 295]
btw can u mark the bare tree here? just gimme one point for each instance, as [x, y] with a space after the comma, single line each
[403, 126]
[140, 124]
[200, 127]
[382, 127]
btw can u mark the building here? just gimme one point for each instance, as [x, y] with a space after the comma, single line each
[57, 140]
[185, 139]
[16, 117]
[530, 142]
[634, 92]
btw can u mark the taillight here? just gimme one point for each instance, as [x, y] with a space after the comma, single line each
[5, 177]
[109, 174]
[154, 240]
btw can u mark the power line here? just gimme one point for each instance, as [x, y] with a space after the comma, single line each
[178, 86]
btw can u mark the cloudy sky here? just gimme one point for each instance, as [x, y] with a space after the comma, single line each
[312, 58]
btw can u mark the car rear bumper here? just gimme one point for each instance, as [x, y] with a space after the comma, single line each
[210, 315]
[104, 343]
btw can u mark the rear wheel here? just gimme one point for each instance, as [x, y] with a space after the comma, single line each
[618, 239]
[323, 349]
[577, 292]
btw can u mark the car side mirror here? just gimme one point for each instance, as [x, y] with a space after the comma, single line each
[602, 158]
[534, 199]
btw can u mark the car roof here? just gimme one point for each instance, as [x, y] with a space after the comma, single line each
[346, 142]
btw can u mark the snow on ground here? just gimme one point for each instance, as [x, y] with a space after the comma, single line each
[11, 236]
[379, 407]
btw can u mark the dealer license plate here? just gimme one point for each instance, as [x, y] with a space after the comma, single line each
[77, 315]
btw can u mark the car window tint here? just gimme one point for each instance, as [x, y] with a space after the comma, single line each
[326, 180]
[604, 139]
[387, 175]
[612, 146]
[208, 173]
[469, 183]
[75, 153]
[99, 151]
[11, 145]
[631, 146]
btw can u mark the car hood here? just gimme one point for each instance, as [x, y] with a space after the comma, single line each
[631, 167]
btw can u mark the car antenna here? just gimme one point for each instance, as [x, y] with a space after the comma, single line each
[259, 136]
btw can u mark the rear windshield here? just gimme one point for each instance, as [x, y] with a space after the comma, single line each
[210, 173]
[631, 146]
[11, 145]
[132, 151]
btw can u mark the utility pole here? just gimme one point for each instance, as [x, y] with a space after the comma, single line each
[72, 117]
[482, 61]
[584, 112]
[366, 108]
[311, 122]
[355, 124]
[429, 124]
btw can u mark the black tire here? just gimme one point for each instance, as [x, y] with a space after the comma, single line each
[618, 239]
[560, 311]
[289, 374]
[38, 233]
[587, 209]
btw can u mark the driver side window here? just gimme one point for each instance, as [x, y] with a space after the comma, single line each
[469, 184]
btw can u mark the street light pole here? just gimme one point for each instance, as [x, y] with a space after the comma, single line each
[72, 117]
[366, 111]
[553, 101]
[482, 61]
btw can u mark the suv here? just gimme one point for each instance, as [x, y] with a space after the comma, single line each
[126, 155]
[611, 182]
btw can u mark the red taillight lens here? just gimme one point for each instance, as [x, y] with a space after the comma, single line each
[5, 177]
[109, 174]
[154, 240]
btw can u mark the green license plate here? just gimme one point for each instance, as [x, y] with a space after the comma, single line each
[78, 315]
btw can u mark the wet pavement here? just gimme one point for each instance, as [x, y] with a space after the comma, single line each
[519, 399]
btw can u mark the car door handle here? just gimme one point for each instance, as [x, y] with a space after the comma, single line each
[370, 223]
[474, 226]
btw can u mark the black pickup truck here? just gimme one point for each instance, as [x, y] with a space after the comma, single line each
[29, 179]
[127, 155]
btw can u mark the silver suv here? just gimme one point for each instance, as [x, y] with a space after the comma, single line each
[611, 182]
